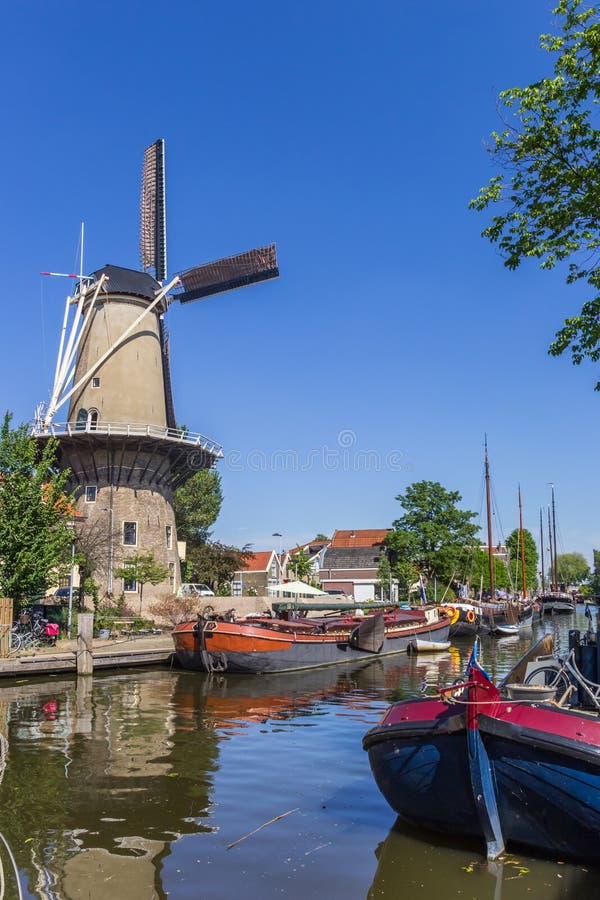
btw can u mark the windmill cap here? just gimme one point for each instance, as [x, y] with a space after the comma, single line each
[128, 281]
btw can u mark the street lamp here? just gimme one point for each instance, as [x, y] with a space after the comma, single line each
[111, 549]
[278, 535]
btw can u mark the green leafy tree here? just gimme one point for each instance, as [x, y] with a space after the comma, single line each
[321, 537]
[479, 572]
[433, 536]
[595, 578]
[531, 559]
[214, 563]
[197, 505]
[572, 568]
[549, 149]
[35, 515]
[143, 568]
[299, 563]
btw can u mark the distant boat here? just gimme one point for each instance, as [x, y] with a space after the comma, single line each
[524, 612]
[419, 646]
[555, 600]
[503, 617]
[517, 628]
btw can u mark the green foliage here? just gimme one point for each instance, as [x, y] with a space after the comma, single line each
[91, 589]
[433, 536]
[299, 563]
[35, 515]
[144, 569]
[214, 563]
[479, 573]
[549, 149]
[321, 537]
[197, 505]
[595, 579]
[572, 568]
[531, 559]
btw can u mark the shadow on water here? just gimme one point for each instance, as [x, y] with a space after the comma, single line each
[410, 865]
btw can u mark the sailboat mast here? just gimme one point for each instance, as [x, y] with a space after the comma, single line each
[552, 585]
[555, 574]
[489, 524]
[522, 542]
[542, 550]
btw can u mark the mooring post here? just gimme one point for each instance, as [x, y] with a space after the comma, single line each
[85, 632]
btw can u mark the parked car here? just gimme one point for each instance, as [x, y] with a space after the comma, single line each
[63, 593]
[195, 590]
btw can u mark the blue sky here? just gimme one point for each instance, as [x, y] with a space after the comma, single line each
[353, 135]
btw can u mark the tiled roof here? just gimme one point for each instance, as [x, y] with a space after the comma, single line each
[311, 547]
[365, 537]
[260, 562]
[351, 558]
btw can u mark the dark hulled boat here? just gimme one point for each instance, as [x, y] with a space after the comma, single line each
[262, 644]
[476, 762]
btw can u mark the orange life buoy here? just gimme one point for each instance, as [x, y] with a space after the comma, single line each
[453, 613]
[470, 616]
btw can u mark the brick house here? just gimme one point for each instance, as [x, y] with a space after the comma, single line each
[351, 562]
[260, 570]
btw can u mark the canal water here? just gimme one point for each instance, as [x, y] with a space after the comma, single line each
[151, 784]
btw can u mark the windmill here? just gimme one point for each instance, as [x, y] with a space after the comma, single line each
[198, 282]
[120, 440]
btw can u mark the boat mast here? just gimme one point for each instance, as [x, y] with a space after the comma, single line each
[542, 550]
[555, 573]
[522, 542]
[489, 523]
[552, 585]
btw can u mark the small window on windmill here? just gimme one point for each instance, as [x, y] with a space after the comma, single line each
[96, 382]
[92, 420]
[130, 533]
[90, 493]
[169, 536]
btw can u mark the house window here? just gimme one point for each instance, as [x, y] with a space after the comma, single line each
[130, 585]
[236, 588]
[169, 533]
[130, 533]
[96, 382]
[90, 493]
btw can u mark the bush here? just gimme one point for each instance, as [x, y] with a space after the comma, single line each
[177, 609]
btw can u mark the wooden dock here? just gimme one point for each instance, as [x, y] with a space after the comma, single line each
[112, 654]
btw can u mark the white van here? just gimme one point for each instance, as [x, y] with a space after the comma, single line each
[195, 590]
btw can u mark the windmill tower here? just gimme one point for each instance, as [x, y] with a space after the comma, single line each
[120, 439]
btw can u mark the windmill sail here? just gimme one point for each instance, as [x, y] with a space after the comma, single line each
[166, 361]
[229, 273]
[153, 212]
